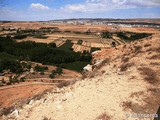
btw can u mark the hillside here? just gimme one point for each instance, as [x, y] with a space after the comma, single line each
[127, 82]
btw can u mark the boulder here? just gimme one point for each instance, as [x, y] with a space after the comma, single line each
[88, 68]
[31, 102]
[14, 114]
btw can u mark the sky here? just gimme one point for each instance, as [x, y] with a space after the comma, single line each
[43, 10]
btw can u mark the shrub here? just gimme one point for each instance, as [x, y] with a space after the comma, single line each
[63, 84]
[59, 70]
[9, 83]
[125, 66]
[14, 80]
[41, 73]
[40, 68]
[20, 36]
[149, 74]
[1, 84]
[46, 118]
[147, 45]
[53, 45]
[126, 105]
[125, 59]
[52, 76]
[103, 116]
[3, 81]
[8, 110]
[113, 44]
[22, 79]
[157, 56]
[137, 48]
[106, 35]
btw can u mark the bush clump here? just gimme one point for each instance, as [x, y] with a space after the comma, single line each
[149, 74]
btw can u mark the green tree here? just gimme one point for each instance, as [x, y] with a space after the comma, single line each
[52, 45]
[22, 79]
[52, 75]
[59, 70]
[113, 44]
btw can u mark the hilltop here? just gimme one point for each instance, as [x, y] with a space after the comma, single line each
[125, 82]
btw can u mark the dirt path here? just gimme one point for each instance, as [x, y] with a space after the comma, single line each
[26, 84]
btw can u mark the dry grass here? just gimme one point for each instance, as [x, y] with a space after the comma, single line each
[156, 56]
[137, 94]
[157, 49]
[149, 74]
[103, 71]
[124, 59]
[66, 83]
[137, 48]
[63, 84]
[127, 105]
[148, 50]
[46, 118]
[125, 66]
[103, 116]
[155, 63]
[147, 45]
[6, 111]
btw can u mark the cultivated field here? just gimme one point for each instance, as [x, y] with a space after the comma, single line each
[78, 32]
[14, 94]
[89, 41]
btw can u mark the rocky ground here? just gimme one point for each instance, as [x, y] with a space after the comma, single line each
[126, 84]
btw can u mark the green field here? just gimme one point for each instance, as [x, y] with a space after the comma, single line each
[4, 56]
[66, 46]
[76, 66]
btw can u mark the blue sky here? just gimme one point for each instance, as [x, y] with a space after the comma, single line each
[39, 10]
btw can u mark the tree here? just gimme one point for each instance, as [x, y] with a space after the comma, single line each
[52, 75]
[40, 68]
[1, 69]
[59, 70]
[3, 81]
[80, 42]
[14, 80]
[53, 45]
[22, 79]
[113, 44]
[0, 47]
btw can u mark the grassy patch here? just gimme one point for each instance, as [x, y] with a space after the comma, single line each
[67, 46]
[40, 36]
[132, 36]
[76, 66]
[5, 56]
[20, 36]
[94, 49]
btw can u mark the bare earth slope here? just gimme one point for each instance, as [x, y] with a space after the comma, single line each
[128, 83]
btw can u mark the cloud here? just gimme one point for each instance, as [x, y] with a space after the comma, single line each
[119, 1]
[143, 3]
[105, 5]
[39, 6]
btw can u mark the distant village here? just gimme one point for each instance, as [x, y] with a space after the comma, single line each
[120, 23]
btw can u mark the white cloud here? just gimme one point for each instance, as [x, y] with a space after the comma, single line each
[119, 1]
[39, 6]
[105, 5]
